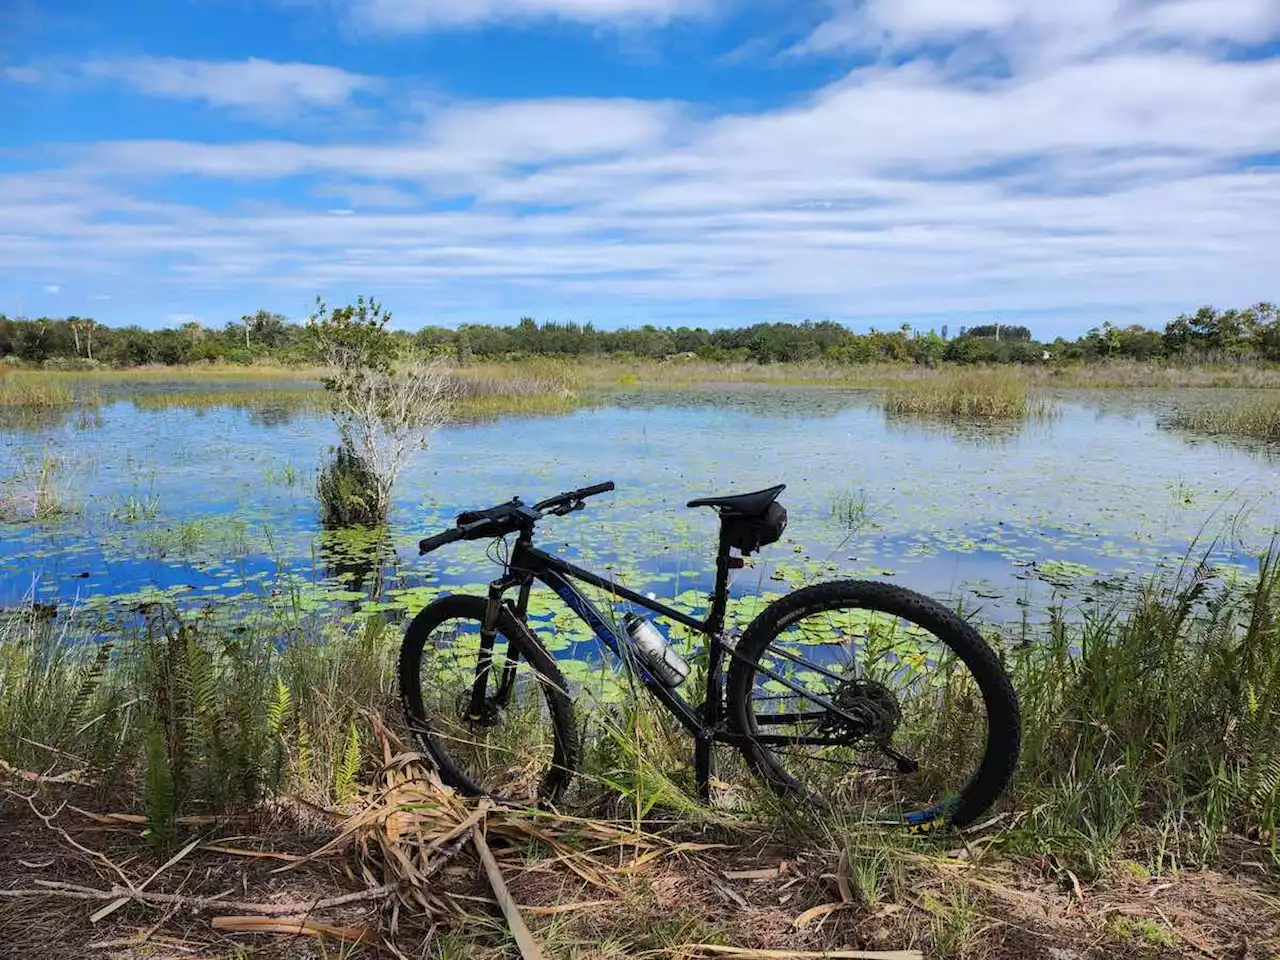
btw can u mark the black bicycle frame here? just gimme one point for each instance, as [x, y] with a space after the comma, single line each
[708, 723]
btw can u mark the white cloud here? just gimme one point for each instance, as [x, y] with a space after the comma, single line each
[52, 288]
[460, 145]
[1035, 31]
[1133, 180]
[259, 86]
[423, 15]
[21, 74]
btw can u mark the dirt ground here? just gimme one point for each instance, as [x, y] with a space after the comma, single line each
[694, 900]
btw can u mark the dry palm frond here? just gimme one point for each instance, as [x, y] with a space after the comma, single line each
[408, 824]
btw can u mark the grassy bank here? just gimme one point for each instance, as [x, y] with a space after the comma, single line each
[1150, 733]
[1161, 716]
[1258, 419]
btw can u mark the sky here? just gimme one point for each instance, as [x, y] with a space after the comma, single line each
[684, 162]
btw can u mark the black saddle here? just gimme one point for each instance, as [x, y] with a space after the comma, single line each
[742, 504]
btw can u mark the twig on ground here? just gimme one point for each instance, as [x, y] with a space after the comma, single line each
[293, 925]
[529, 948]
[54, 888]
[48, 822]
[745, 953]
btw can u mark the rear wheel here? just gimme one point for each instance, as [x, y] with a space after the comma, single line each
[521, 744]
[874, 698]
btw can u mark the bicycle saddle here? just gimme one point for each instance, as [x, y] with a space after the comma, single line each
[742, 504]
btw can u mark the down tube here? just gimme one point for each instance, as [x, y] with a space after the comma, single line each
[583, 607]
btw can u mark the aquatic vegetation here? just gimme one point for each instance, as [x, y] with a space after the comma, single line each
[1171, 703]
[537, 386]
[136, 508]
[36, 492]
[347, 487]
[1254, 419]
[200, 537]
[970, 394]
[850, 508]
[196, 713]
[612, 372]
[301, 399]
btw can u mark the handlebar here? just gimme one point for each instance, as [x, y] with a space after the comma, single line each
[573, 495]
[510, 516]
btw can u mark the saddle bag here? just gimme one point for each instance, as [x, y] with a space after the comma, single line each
[749, 534]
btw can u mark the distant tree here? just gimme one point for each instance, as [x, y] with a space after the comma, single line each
[999, 331]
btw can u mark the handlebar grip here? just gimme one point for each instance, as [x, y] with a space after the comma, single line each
[592, 490]
[439, 540]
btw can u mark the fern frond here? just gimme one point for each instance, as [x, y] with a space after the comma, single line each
[161, 796]
[344, 785]
[89, 685]
[280, 707]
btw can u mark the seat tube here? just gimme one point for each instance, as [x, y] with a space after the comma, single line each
[720, 597]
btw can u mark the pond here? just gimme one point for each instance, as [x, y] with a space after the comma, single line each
[210, 503]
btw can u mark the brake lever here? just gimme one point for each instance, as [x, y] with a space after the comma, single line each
[568, 508]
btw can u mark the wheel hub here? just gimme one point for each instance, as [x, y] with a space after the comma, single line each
[490, 712]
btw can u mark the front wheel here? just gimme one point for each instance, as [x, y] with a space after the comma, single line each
[875, 699]
[497, 724]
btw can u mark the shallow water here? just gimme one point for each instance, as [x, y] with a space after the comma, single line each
[215, 502]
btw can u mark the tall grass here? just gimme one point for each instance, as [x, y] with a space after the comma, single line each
[1256, 419]
[1162, 717]
[194, 713]
[970, 394]
[535, 386]
[24, 388]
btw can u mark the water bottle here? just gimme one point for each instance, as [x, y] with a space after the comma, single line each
[654, 652]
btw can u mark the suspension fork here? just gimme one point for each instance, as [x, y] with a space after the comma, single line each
[513, 653]
[484, 663]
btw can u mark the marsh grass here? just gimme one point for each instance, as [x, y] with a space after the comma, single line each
[40, 390]
[294, 399]
[612, 373]
[1159, 719]
[970, 395]
[1253, 419]
[37, 492]
[531, 387]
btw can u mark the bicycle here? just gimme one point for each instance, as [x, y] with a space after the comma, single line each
[485, 735]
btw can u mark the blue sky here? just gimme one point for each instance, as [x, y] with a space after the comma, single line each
[627, 161]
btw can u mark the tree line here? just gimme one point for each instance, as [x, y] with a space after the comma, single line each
[1251, 334]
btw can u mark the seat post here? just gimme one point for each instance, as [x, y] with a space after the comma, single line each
[720, 598]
